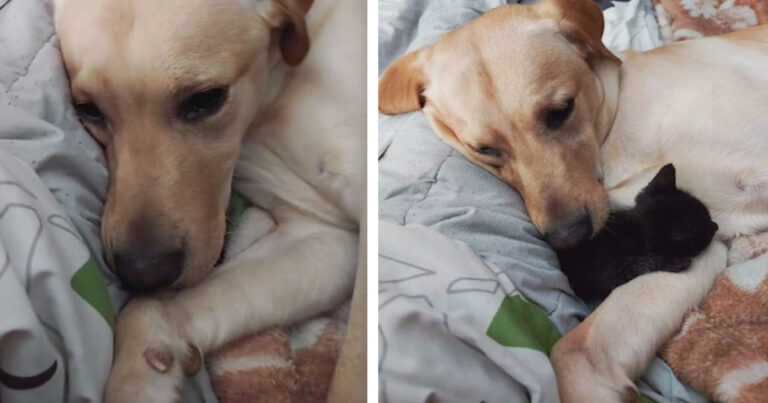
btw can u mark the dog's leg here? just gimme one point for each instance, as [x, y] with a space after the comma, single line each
[255, 224]
[299, 270]
[598, 361]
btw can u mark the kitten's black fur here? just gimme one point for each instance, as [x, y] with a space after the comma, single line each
[665, 230]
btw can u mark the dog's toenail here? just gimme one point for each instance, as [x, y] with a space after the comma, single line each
[159, 360]
[193, 361]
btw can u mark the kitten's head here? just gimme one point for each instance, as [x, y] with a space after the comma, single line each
[677, 224]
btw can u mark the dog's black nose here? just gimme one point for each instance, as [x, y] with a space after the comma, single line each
[571, 233]
[147, 271]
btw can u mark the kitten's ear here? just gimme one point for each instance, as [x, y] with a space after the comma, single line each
[664, 181]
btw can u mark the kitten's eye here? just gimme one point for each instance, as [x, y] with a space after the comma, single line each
[489, 152]
[555, 118]
[90, 113]
[203, 104]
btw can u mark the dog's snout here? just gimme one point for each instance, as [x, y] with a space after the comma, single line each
[146, 271]
[571, 232]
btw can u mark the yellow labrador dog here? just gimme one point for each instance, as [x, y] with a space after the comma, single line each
[184, 96]
[530, 94]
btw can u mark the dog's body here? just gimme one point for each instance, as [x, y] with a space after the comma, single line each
[717, 138]
[300, 163]
[698, 104]
[534, 109]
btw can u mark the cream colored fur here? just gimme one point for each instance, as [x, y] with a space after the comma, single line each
[698, 104]
[300, 136]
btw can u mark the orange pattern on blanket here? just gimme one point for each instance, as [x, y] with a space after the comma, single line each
[722, 348]
[687, 19]
[268, 368]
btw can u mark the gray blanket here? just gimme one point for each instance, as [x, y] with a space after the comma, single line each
[425, 188]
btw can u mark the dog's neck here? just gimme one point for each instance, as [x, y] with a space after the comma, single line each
[608, 75]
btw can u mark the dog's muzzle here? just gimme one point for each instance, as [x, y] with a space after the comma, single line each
[571, 233]
[148, 270]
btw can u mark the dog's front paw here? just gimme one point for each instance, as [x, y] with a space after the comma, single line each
[151, 360]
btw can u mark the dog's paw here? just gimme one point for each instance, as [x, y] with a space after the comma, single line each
[151, 360]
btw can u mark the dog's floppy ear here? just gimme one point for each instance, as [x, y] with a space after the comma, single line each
[287, 18]
[581, 22]
[402, 84]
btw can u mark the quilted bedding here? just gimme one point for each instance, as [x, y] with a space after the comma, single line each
[471, 299]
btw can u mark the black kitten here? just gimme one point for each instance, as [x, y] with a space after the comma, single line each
[665, 230]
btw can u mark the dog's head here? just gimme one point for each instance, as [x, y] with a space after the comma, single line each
[516, 92]
[170, 88]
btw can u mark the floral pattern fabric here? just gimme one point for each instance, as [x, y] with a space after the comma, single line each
[688, 19]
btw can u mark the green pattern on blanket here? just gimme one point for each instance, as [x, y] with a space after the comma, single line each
[520, 323]
[237, 206]
[89, 283]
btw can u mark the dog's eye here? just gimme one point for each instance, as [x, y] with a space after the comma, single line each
[555, 118]
[489, 152]
[90, 113]
[203, 104]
